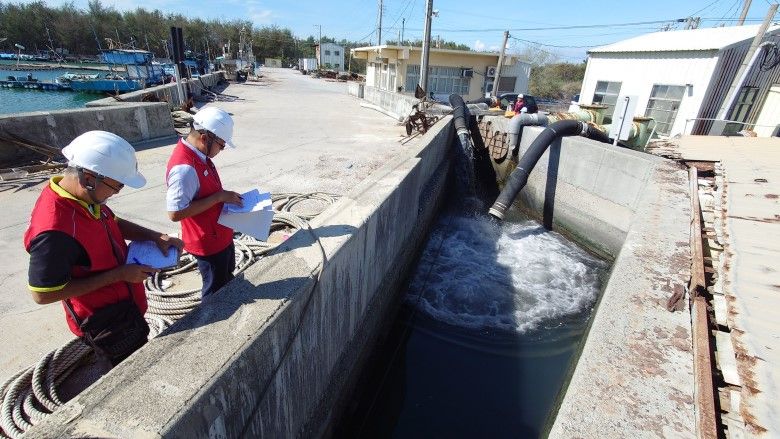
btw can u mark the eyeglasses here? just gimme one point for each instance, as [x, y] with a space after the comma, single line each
[214, 139]
[218, 141]
[114, 188]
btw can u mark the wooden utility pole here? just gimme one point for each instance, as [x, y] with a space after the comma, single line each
[744, 12]
[500, 63]
[379, 43]
[736, 84]
[426, 49]
[319, 48]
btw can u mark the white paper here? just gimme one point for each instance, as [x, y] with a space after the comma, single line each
[147, 253]
[253, 218]
[251, 201]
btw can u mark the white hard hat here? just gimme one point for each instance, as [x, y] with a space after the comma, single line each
[106, 154]
[217, 121]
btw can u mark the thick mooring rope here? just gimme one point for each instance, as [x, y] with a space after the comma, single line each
[32, 393]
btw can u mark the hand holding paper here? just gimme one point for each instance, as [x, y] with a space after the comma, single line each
[148, 253]
[253, 218]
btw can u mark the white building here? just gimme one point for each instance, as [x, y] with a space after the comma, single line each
[332, 56]
[682, 78]
[468, 73]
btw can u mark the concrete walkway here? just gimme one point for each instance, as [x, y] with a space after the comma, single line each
[751, 168]
[295, 134]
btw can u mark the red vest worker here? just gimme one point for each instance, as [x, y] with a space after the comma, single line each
[77, 246]
[195, 196]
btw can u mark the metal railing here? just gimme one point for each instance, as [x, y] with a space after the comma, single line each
[708, 119]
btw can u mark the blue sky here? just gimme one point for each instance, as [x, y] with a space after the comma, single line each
[475, 23]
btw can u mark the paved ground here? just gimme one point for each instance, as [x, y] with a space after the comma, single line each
[751, 168]
[295, 134]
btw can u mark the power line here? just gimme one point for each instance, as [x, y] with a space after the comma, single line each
[706, 7]
[590, 26]
[555, 45]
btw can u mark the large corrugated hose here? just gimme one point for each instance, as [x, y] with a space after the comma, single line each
[32, 393]
[519, 177]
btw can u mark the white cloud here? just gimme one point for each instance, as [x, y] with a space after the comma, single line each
[260, 16]
[479, 45]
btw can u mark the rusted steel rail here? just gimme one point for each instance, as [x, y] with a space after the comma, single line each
[706, 422]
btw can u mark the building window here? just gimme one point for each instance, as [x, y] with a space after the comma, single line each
[327, 53]
[383, 79]
[441, 80]
[663, 105]
[606, 94]
[336, 52]
[741, 110]
[391, 78]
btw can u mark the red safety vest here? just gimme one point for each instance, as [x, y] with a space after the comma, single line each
[54, 212]
[201, 233]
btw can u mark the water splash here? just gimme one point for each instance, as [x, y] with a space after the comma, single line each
[517, 276]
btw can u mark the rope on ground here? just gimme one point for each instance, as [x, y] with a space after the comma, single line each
[31, 394]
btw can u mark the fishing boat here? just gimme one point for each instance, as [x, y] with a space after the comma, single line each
[31, 83]
[131, 70]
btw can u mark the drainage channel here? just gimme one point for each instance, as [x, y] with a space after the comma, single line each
[488, 329]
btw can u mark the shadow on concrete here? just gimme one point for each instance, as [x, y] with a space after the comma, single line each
[552, 184]
[23, 184]
[156, 143]
[306, 237]
[239, 292]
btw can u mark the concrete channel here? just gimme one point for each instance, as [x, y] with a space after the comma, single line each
[276, 353]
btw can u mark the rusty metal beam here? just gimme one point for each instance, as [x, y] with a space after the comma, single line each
[698, 283]
[706, 422]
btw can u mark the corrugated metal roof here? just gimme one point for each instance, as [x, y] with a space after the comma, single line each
[713, 38]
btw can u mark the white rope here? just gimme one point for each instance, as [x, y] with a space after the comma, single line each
[31, 394]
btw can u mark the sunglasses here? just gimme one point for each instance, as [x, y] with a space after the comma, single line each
[214, 139]
[116, 188]
[102, 179]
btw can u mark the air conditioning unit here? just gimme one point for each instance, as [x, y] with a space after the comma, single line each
[491, 72]
[467, 73]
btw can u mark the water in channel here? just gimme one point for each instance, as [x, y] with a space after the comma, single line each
[489, 325]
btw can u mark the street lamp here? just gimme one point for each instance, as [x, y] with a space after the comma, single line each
[18, 53]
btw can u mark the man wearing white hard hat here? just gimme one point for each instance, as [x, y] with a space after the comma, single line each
[195, 196]
[77, 246]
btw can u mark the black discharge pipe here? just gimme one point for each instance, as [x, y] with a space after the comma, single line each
[473, 163]
[519, 177]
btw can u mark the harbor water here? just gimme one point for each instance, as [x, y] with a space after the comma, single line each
[21, 100]
[489, 327]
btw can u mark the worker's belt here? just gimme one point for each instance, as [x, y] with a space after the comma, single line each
[114, 331]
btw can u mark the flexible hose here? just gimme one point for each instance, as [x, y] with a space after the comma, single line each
[519, 177]
[31, 394]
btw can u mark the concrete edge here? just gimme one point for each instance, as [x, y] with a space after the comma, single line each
[635, 373]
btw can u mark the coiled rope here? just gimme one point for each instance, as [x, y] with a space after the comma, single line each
[32, 393]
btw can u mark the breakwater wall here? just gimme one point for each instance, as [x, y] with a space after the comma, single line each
[135, 122]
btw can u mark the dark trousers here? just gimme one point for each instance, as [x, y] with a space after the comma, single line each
[216, 270]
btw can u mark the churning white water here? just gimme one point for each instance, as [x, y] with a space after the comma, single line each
[476, 273]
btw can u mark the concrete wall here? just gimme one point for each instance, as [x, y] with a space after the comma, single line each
[356, 89]
[166, 92]
[634, 377]
[134, 122]
[396, 103]
[275, 353]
